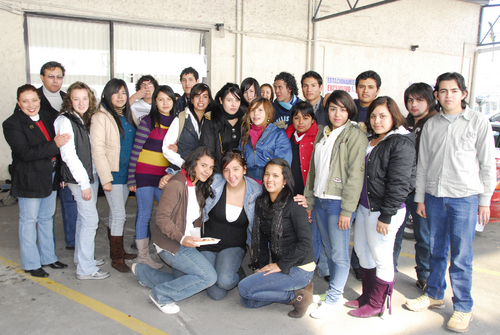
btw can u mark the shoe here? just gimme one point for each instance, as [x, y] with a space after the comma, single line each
[133, 268]
[325, 310]
[96, 275]
[100, 262]
[57, 265]
[382, 290]
[37, 273]
[68, 247]
[125, 255]
[171, 308]
[424, 302]
[421, 284]
[303, 298]
[117, 259]
[459, 322]
[367, 280]
[317, 298]
[144, 257]
[357, 273]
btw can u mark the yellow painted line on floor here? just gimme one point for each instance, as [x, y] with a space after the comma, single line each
[489, 272]
[113, 314]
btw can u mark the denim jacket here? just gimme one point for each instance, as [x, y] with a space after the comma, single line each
[252, 191]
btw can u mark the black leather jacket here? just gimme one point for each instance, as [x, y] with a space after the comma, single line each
[390, 173]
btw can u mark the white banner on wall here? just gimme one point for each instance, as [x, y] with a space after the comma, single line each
[345, 84]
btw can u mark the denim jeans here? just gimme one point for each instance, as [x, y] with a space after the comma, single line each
[69, 215]
[226, 263]
[421, 231]
[319, 249]
[36, 223]
[117, 199]
[373, 249]
[336, 243]
[452, 223]
[144, 197]
[258, 290]
[86, 227]
[166, 289]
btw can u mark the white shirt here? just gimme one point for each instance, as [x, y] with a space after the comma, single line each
[140, 108]
[68, 152]
[173, 134]
[322, 157]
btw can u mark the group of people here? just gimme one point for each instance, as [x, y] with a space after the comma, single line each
[282, 179]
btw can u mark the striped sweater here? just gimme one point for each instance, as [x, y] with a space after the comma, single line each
[147, 163]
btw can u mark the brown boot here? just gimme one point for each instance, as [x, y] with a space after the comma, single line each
[127, 255]
[144, 257]
[303, 298]
[118, 262]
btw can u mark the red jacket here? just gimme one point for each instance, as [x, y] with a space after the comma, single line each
[306, 147]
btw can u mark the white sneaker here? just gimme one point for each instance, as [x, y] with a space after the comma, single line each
[133, 268]
[326, 310]
[171, 308]
[100, 262]
[96, 275]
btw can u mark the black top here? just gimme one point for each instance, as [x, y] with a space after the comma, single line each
[231, 234]
[296, 170]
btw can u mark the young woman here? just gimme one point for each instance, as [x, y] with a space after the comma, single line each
[179, 212]
[147, 165]
[229, 216]
[262, 140]
[112, 133]
[185, 130]
[389, 178]
[222, 129]
[333, 187]
[78, 171]
[267, 92]
[251, 90]
[280, 230]
[35, 147]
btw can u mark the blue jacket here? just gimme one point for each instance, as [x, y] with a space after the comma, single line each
[272, 144]
[252, 191]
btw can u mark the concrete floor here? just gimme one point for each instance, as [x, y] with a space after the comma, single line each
[61, 304]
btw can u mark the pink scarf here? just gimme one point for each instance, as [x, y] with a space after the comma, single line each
[255, 133]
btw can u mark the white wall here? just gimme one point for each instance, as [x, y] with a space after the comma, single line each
[275, 37]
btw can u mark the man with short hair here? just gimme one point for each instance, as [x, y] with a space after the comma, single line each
[189, 77]
[421, 105]
[312, 85]
[140, 101]
[286, 90]
[456, 177]
[367, 87]
[51, 98]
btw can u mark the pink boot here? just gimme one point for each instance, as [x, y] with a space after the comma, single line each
[381, 289]
[367, 280]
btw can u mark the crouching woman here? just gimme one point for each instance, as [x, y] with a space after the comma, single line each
[280, 229]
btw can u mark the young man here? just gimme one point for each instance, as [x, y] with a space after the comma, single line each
[189, 77]
[455, 181]
[51, 97]
[140, 101]
[285, 88]
[312, 85]
[421, 106]
[367, 87]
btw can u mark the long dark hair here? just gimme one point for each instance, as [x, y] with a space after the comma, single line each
[67, 105]
[197, 90]
[112, 87]
[155, 112]
[203, 189]
[245, 86]
[287, 190]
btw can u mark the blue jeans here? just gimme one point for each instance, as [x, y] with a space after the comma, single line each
[144, 197]
[226, 263]
[319, 250]
[166, 289]
[86, 227]
[336, 243]
[69, 215]
[452, 223]
[117, 199]
[36, 223]
[258, 290]
[421, 231]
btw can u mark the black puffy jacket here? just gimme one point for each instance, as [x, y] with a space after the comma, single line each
[390, 173]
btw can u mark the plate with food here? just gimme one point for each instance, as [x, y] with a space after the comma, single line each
[208, 241]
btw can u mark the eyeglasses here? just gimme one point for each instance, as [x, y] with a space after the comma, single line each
[52, 77]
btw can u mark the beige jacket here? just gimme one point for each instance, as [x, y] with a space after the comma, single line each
[105, 139]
